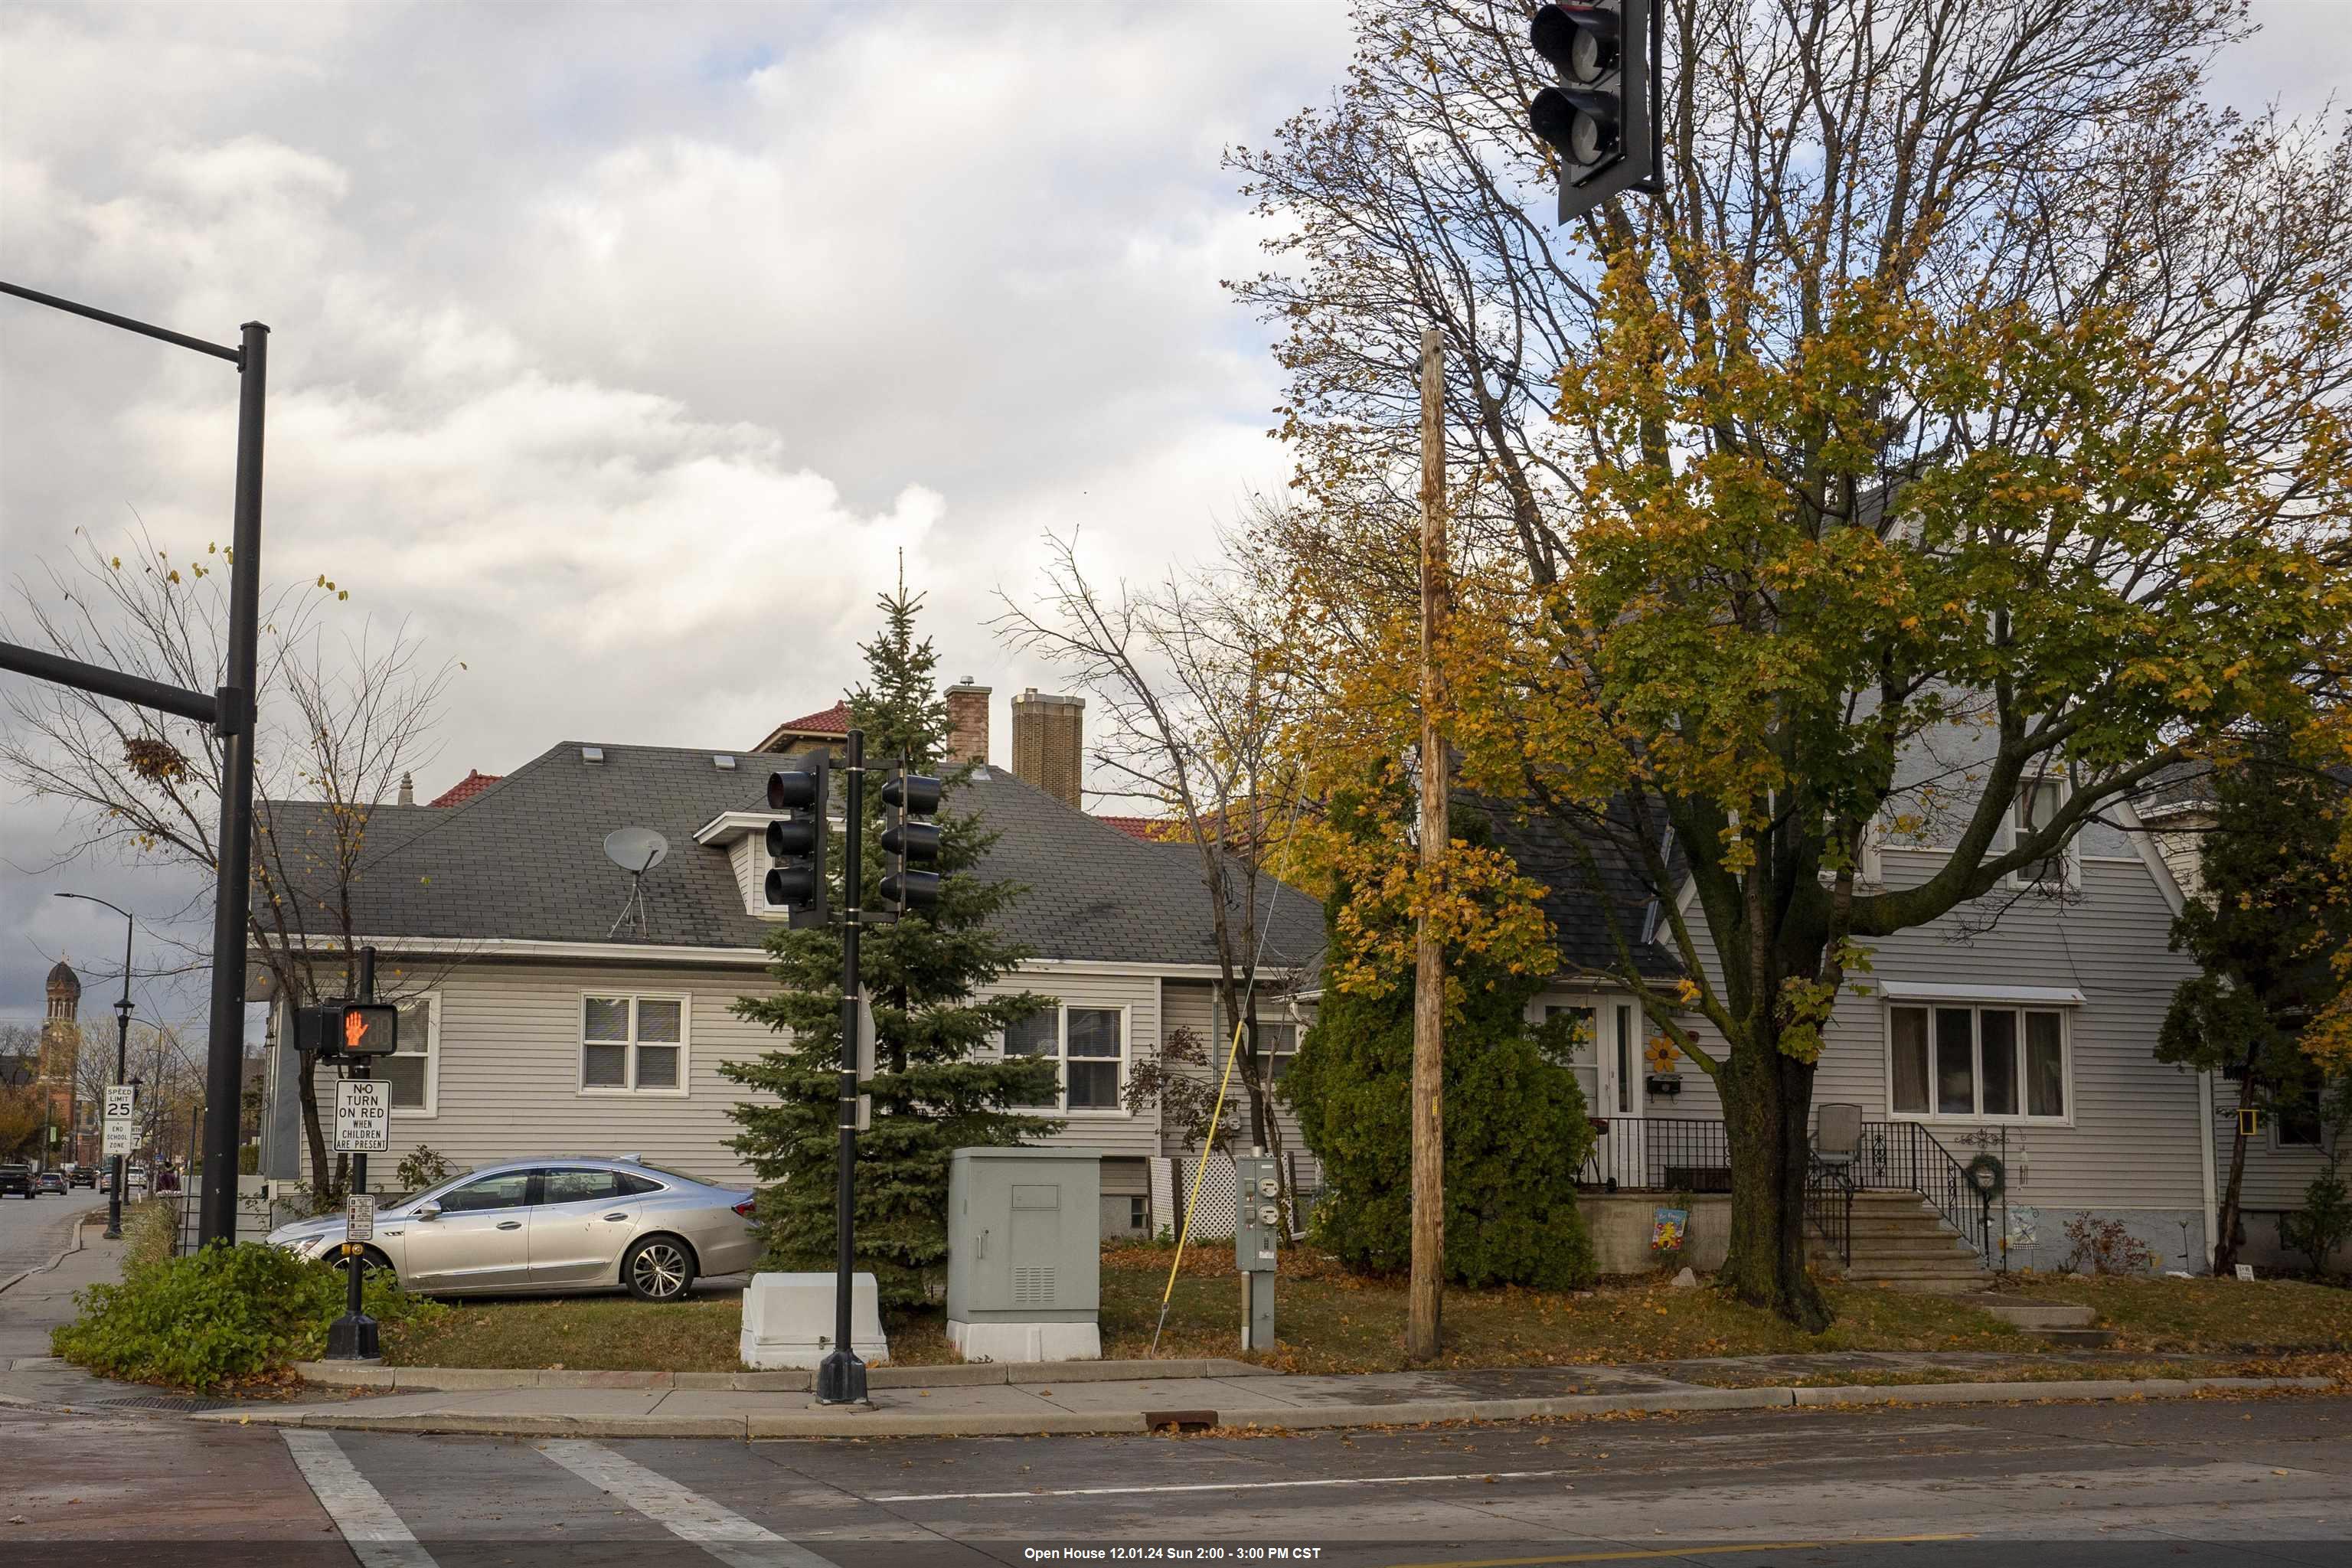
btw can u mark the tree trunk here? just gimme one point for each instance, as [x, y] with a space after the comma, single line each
[1767, 1106]
[2225, 1244]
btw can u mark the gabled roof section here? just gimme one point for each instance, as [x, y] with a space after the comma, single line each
[826, 725]
[1594, 893]
[464, 789]
[524, 860]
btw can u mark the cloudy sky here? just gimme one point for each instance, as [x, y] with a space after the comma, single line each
[619, 350]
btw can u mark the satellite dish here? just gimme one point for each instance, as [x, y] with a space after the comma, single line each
[636, 850]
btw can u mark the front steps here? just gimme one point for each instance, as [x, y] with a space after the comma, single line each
[1901, 1242]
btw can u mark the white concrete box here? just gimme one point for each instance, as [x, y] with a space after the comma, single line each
[788, 1320]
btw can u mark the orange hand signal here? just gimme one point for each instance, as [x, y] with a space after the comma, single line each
[354, 1030]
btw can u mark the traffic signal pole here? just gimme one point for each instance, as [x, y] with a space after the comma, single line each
[841, 1377]
[355, 1336]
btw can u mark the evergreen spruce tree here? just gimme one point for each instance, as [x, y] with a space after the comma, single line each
[1514, 1119]
[931, 1097]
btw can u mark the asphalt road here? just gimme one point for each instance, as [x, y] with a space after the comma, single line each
[33, 1233]
[2194, 1482]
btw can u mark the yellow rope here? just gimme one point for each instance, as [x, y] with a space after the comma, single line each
[1199, 1169]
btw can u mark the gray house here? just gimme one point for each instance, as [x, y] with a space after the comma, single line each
[539, 1018]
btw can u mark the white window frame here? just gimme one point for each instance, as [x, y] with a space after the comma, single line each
[1061, 1059]
[432, 1054]
[1977, 1008]
[2070, 859]
[2279, 1145]
[581, 1084]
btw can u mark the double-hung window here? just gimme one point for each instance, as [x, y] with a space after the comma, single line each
[1583, 1056]
[1088, 1048]
[631, 1045]
[1988, 1063]
[410, 1069]
[2037, 803]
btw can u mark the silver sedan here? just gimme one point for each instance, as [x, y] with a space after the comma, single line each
[549, 1224]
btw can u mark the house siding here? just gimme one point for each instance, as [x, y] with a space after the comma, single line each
[1193, 1004]
[2132, 1151]
[507, 1068]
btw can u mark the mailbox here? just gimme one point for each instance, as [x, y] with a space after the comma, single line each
[1024, 1254]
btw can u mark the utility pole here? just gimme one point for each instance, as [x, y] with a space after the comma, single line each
[1421, 1334]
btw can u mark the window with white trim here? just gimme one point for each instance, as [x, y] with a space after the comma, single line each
[1981, 1064]
[1583, 1057]
[412, 1069]
[2297, 1125]
[632, 1044]
[1087, 1046]
[2037, 803]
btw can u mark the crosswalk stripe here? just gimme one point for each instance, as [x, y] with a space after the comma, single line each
[685, 1513]
[366, 1523]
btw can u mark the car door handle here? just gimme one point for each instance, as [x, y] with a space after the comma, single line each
[617, 1216]
[509, 1224]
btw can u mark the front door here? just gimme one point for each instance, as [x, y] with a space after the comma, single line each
[479, 1241]
[582, 1221]
[1606, 1059]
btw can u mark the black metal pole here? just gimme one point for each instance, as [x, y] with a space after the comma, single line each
[122, 1066]
[224, 1067]
[841, 1378]
[355, 1336]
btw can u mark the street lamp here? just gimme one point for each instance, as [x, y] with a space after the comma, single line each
[121, 1056]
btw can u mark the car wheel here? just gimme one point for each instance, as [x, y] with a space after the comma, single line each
[373, 1265]
[658, 1269]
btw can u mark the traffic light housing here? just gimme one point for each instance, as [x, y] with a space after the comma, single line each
[911, 842]
[343, 1029]
[1601, 118]
[797, 842]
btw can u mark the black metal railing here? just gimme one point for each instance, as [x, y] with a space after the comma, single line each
[1693, 1154]
[1905, 1156]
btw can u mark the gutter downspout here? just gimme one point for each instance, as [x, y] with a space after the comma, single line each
[2205, 1149]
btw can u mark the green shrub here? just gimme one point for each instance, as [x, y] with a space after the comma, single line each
[217, 1316]
[1515, 1127]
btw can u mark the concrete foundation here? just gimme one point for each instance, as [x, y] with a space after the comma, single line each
[1026, 1342]
[1619, 1225]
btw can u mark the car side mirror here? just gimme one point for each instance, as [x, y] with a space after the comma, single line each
[428, 1210]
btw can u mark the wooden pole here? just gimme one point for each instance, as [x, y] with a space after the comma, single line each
[1422, 1336]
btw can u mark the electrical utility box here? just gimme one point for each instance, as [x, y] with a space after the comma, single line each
[1024, 1254]
[1257, 1238]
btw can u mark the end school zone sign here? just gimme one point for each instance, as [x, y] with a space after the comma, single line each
[362, 1116]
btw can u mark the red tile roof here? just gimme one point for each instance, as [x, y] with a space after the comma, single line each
[1151, 829]
[833, 721]
[465, 788]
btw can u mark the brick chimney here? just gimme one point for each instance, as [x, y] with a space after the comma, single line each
[1049, 742]
[967, 722]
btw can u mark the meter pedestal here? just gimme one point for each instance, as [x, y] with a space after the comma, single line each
[1257, 1238]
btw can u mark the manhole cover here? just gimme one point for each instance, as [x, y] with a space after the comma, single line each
[179, 1404]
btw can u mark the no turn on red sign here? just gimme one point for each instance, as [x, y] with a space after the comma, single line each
[362, 1116]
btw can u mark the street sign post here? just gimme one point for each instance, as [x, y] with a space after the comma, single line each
[121, 1103]
[362, 1116]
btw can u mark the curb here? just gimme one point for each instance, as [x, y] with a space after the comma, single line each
[11, 1283]
[870, 1423]
[963, 1374]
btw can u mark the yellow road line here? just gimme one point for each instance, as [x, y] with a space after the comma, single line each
[1683, 1552]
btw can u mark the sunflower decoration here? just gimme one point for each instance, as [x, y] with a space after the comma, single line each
[1660, 1054]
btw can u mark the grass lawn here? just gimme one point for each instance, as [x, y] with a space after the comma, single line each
[1329, 1321]
[2221, 1315]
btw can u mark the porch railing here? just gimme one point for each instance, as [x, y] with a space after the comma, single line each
[1693, 1154]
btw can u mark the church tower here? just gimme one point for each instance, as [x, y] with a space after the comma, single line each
[61, 1051]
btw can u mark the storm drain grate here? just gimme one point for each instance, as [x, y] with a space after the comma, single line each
[179, 1404]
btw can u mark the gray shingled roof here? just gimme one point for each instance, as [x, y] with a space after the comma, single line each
[1546, 850]
[525, 860]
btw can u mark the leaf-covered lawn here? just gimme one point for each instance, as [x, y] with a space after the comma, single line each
[2215, 1315]
[1328, 1322]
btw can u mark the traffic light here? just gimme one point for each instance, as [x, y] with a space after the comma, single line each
[910, 842]
[348, 1029]
[797, 842]
[1602, 117]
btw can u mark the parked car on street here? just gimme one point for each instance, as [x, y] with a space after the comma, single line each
[18, 1180]
[83, 1175]
[53, 1182]
[551, 1225]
